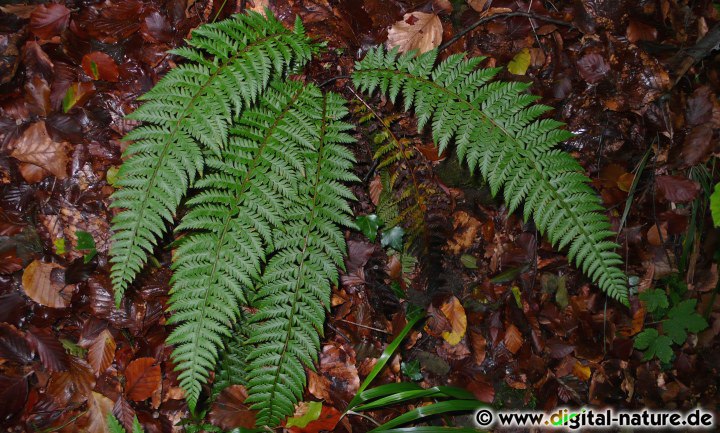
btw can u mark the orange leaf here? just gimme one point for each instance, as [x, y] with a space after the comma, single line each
[100, 66]
[35, 147]
[43, 285]
[513, 339]
[455, 313]
[328, 419]
[101, 352]
[142, 378]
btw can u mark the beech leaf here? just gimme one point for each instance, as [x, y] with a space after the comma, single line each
[100, 66]
[677, 189]
[99, 407]
[101, 352]
[455, 313]
[416, 31]
[142, 379]
[35, 147]
[48, 21]
[52, 353]
[41, 285]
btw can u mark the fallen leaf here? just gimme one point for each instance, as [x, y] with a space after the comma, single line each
[99, 407]
[477, 5]
[36, 148]
[124, 412]
[416, 31]
[13, 394]
[101, 352]
[592, 68]
[376, 188]
[699, 106]
[697, 146]
[677, 189]
[52, 353]
[73, 385]
[637, 31]
[13, 347]
[305, 412]
[100, 66]
[142, 379]
[520, 63]
[455, 313]
[326, 420]
[48, 21]
[43, 285]
[582, 372]
[479, 346]
[229, 411]
[513, 339]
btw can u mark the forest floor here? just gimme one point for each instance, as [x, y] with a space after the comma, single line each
[508, 318]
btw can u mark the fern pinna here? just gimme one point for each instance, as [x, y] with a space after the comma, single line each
[296, 286]
[232, 224]
[496, 130]
[186, 113]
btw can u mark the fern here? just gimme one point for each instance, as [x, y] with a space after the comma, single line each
[231, 220]
[188, 111]
[295, 289]
[114, 425]
[231, 368]
[496, 130]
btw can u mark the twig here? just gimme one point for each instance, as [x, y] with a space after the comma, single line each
[483, 20]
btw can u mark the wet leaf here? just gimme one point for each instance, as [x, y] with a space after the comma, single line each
[477, 5]
[77, 94]
[369, 225]
[142, 379]
[101, 352]
[99, 407]
[513, 339]
[13, 395]
[677, 189]
[593, 68]
[13, 347]
[52, 353]
[326, 420]
[455, 313]
[100, 66]
[393, 238]
[520, 63]
[416, 31]
[637, 31]
[715, 205]
[468, 261]
[73, 385]
[38, 150]
[48, 21]
[42, 284]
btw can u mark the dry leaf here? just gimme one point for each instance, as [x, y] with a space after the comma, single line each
[513, 339]
[258, 6]
[36, 148]
[46, 287]
[455, 313]
[376, 188]
[142, 379]
[416, 31]
[479, 347]
[101, 352]
[230, 411]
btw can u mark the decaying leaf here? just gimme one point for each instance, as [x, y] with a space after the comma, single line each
[43, 155]
[101, 351]
[48, 21]
[455, 313]
[513, 339]
[677, 189]
[44, 284]
[416, 31]
[99, 407]
[229, 410]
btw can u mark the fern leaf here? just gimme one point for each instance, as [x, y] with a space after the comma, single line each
[497, 131]
[189, 110]
[230, 222]
[295, 291]
[231, 369]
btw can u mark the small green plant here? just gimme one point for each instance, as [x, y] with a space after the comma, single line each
[676, 317]
[114, 425]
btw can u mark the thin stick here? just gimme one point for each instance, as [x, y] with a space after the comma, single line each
[483, 20]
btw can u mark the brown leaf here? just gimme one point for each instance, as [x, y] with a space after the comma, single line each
[466, 230]
[513, 339]
[13, 394]
[142, 379]
[376, 188]
[592, 68]
[479, 345]
[455, 313]
[416, 31]
[697, 146]
[101, 352]
[43, 285]
[99, 407]
[124, 413]
[699, 107]
[477, 5]
[48, 21]
[35, 147]
[73, 385]
[156, 28]
[13, 347]
[100, 66]
[637, 31]
[677, 189]
[52, 353]
[230, 411]
[328, 419]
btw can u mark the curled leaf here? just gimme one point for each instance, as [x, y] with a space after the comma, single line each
[416, 31]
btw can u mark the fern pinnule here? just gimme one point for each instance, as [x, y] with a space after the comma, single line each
[188, 111]
[497, 130]
[231, 223]
[295, 289]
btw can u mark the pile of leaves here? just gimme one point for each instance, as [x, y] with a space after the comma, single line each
[508, 318]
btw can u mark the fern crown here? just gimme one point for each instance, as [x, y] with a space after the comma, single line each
[498, 131]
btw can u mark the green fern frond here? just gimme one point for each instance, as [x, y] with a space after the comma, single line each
[114, 425]
[231, 219]
[189, 110]
[295, 291]
[496, 129]
[231, 368]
